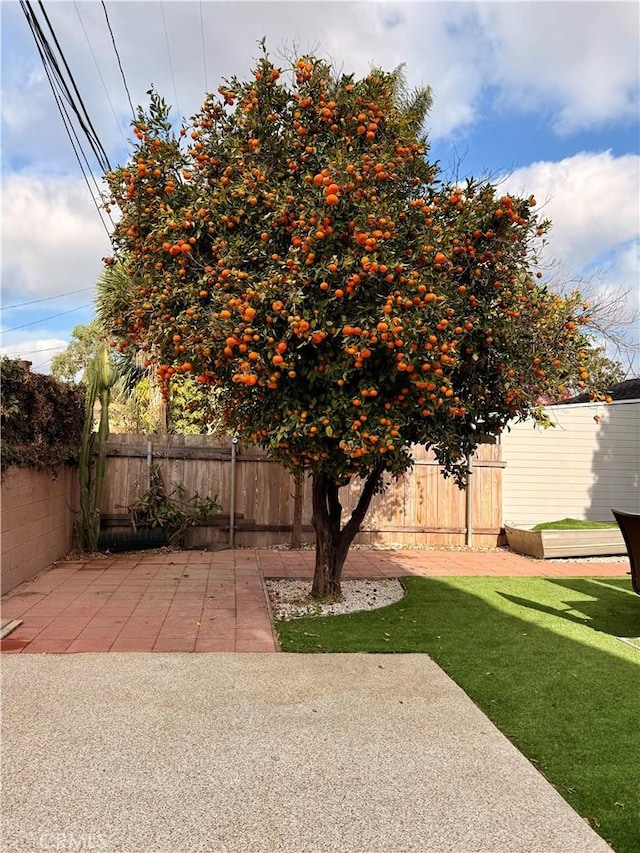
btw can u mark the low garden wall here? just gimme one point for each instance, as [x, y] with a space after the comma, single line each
[37, 513]
[42, 421]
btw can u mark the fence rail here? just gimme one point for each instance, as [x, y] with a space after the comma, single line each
[421, 508]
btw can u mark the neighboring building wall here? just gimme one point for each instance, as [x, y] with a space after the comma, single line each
[580, 468]
[36, 520]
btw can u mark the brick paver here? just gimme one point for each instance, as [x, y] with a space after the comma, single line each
[369, 563]
[166, 602]
[198, 601]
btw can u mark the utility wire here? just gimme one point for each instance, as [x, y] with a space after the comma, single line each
[66, 119]
[44, 299]
[104, 85]
[45, 319]
[103, 159]
[113, 42]
[68, 126]
[54, 68]
[36, 367]
[71, 133]
[204, 55]
[35, 352]
[40, 364]
[173, 76]
[53, 73]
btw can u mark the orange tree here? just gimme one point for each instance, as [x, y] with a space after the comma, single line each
[293, 246]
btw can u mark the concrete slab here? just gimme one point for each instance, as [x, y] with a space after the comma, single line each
[169, 753]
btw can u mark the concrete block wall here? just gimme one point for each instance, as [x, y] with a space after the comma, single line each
[37, 513]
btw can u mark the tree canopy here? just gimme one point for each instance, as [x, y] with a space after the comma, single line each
[72, 362]
[293, 246]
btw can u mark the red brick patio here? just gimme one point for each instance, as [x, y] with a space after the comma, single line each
[201, 601]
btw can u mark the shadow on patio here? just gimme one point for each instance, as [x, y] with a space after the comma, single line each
[202, 601]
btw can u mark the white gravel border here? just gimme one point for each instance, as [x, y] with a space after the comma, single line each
[612, 559]
[291, 599]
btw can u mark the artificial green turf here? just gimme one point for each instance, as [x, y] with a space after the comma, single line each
[573, 524]
[541, 657]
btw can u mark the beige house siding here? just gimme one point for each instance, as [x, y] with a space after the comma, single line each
[580, 468]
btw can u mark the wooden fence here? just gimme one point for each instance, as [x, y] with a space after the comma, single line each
[422, 508]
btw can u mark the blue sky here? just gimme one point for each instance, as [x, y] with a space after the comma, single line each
[542, 94]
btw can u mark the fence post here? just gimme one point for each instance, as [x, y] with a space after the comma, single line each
[149, 461]
[296, 526]
[469, 501]
[232, 495]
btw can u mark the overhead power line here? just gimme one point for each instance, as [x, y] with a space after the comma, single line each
[45, 319]
[204, 53]
[95, 61]
[79, 108]
[61, 93]
[45, 299]
[40, 364]
[113, 42]
[66, 121]
[19, 350]
[173, 76]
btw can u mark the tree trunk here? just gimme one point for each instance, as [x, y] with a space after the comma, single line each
[332, 540]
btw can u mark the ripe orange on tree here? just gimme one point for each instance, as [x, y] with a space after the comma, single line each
[337, 222]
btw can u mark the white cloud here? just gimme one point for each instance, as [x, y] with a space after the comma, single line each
[577, 62]
[425, 37]
[53, 240]
[39, 352]
[592, 200]
[574, 64]
[620, 272]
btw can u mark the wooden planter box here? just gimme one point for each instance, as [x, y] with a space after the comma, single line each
[599, 542]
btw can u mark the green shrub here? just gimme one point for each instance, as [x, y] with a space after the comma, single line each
[42, 418]
[171, 512]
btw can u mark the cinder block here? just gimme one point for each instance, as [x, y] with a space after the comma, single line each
[36, 521]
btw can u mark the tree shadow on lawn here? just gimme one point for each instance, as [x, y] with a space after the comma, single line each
[611, 607]
[566, 695]
[567, 698]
